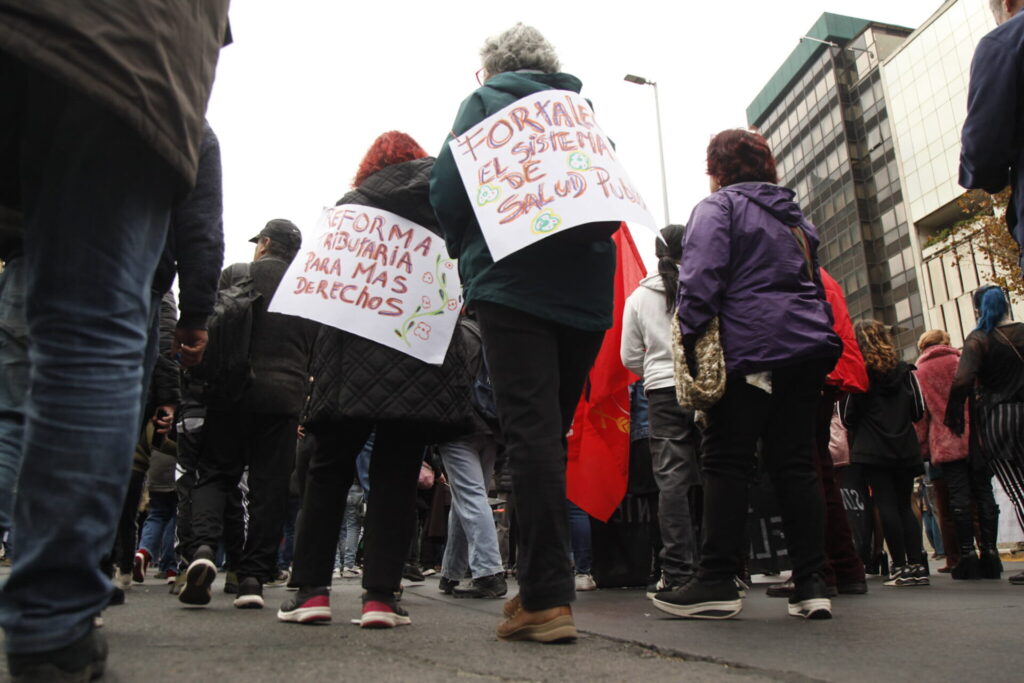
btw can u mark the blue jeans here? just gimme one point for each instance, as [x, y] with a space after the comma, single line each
[157, 537]
[472, 536]
[351, 524]
[96, 201]
[579, 532]
[13, 381]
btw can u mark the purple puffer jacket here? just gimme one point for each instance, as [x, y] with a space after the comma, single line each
[742, 263]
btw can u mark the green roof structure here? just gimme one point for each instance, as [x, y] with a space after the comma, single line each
[831, 27]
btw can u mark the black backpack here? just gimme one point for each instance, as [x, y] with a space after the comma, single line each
[482, 396]
[225, 372]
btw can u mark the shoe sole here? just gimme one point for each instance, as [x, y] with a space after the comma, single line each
[559, 630]
[383, 620]
[250, 601]
[305, 615]
[198, 578]
[482, 595]
[723, 609]
[814, 608]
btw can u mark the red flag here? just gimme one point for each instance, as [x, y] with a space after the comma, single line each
[598, 459]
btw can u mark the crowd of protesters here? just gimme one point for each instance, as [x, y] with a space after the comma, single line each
[287, 452]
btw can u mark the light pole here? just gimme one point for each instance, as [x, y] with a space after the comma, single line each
[640, 80]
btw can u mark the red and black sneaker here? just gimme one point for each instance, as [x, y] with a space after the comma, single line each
[140, 565]
[307, 606]
[383, 614]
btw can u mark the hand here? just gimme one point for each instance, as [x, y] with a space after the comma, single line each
[301, 432]
[163, 417]
[188, 346]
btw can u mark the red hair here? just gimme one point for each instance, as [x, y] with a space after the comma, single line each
[388, 149]
[741, 156]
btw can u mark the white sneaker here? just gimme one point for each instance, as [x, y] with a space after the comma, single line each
[351, 573]
[122, 581]
[585, 582]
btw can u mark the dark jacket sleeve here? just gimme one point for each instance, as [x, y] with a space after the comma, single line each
[704, 269]
[197, 222]
[991, 138]
[447, 192]
[165, 373]
[963, 382]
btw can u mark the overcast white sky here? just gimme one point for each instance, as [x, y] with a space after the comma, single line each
[308, 84]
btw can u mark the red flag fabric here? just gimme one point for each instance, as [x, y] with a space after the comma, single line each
[598, 459]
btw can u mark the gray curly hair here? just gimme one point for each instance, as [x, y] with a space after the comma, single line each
[520, 47]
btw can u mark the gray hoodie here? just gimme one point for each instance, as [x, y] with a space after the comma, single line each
[647, 334]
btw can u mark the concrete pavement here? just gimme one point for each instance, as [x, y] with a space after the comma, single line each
[948, 631]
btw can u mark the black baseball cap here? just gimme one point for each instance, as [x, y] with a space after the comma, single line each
[283, 232]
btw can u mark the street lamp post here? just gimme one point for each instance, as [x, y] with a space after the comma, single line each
[640, 80]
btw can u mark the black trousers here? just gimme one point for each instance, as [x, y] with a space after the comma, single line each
[891, 489]
[784, 421]
[970, 481]
[390, 504]
[538, 368]
[265, 443]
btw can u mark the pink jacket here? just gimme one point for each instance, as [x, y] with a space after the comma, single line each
[935, 370]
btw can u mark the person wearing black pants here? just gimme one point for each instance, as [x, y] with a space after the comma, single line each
[536, 395]
[970, 480]
[390, 509]
[891, 489]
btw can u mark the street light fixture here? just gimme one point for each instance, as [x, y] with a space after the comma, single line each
[640, 80]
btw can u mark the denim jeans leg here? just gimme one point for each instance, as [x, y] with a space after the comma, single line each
[579, 529]
[167, 556]
[13, 381]
[96, 201]
[351, 525]
[468, 463]
[456, 548]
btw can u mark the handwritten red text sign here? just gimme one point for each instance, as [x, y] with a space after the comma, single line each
[540, 166]
[377, 275]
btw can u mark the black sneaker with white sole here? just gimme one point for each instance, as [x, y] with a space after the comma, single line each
[810, 599]
[701, 600]
[250, 594]
[198, 578]
[666, 583]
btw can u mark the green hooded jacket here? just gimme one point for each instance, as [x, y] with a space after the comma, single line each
[568, 277]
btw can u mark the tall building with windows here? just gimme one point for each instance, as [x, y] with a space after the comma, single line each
[824, 114]
[925, 81]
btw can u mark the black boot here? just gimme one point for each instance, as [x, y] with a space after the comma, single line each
[967, 568]
[991, 567]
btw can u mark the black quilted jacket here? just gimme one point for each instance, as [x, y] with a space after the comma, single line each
[358, 379]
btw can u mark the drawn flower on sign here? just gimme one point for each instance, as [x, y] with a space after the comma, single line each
[545, 223]
[579, 161]
[487, 194]
[420, 329]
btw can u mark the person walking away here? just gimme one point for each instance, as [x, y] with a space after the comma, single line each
[553, 298]
[749, 262]
[119, 90]
[647, 351]
[363, 387]
[257, 430]
[884, 444]
[992, 368]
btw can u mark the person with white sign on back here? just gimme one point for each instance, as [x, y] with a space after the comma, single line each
[364, 266]
[543, 308]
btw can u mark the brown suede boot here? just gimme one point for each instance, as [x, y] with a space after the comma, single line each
[511, 606]
[553, 625]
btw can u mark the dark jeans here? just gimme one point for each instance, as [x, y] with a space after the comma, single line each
[286, 551]
[126, 539]
[673, 442]
[579, 534]
[390, 509]
[538, 368]
[784, 421]
[891, 489]
[96, 200]
[266, 444]
[842, 564]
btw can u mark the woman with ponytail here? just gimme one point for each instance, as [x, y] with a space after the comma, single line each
[647, 350]
[991, 372]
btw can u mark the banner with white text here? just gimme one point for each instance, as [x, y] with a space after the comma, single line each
[377, 275]
[541, 166]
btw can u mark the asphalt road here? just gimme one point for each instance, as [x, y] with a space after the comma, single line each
[948, 631]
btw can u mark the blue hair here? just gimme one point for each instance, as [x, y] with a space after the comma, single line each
[991, 309]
